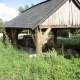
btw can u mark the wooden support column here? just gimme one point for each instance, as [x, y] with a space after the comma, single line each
[38, 41]
[45, 34]
[54, 31]
[33, 36]
[14, 37]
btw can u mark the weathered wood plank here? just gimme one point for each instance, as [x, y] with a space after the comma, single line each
[66, 26]
[67, 14]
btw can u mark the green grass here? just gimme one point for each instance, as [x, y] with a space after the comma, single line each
[17, 65]
[77, 36]
[71, 44]
[68, 41]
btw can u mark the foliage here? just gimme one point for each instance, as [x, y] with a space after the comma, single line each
[77, 36]
[32, 4]
[50, 33]
[1, 23]
[24, 31]
[22, 9]
[17, 65]
[70, 44]
[72, 30]
[64, 33]
[75, 31]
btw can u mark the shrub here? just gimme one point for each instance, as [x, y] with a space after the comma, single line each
[64, 33]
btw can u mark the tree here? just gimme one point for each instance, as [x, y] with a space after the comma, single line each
[1, 22]
[32, 4]
[26, 7]
[22, 9]
[75, 31]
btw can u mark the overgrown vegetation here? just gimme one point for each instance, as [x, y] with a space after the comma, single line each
[64, 33]
[17, 65]
[1, 23]
[67, 43]
[70, 44]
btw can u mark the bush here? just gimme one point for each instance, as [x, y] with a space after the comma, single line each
[64, 33]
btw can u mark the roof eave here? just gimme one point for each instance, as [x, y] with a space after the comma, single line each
[77, 3]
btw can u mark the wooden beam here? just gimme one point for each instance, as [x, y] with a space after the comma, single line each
[45, 34]
[63, 26]
[38, 41]
[33, 36]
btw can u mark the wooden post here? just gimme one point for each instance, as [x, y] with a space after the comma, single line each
[45, 34]
[54, 31]
[15, 41]
[33, 36]
[14, 36]
[38, 41]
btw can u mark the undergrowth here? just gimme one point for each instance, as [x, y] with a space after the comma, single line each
[16, 65]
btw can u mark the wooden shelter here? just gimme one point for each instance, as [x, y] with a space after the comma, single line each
[50, 15]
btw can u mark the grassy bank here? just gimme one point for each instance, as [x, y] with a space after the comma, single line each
[72, 44]
[17, 65]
